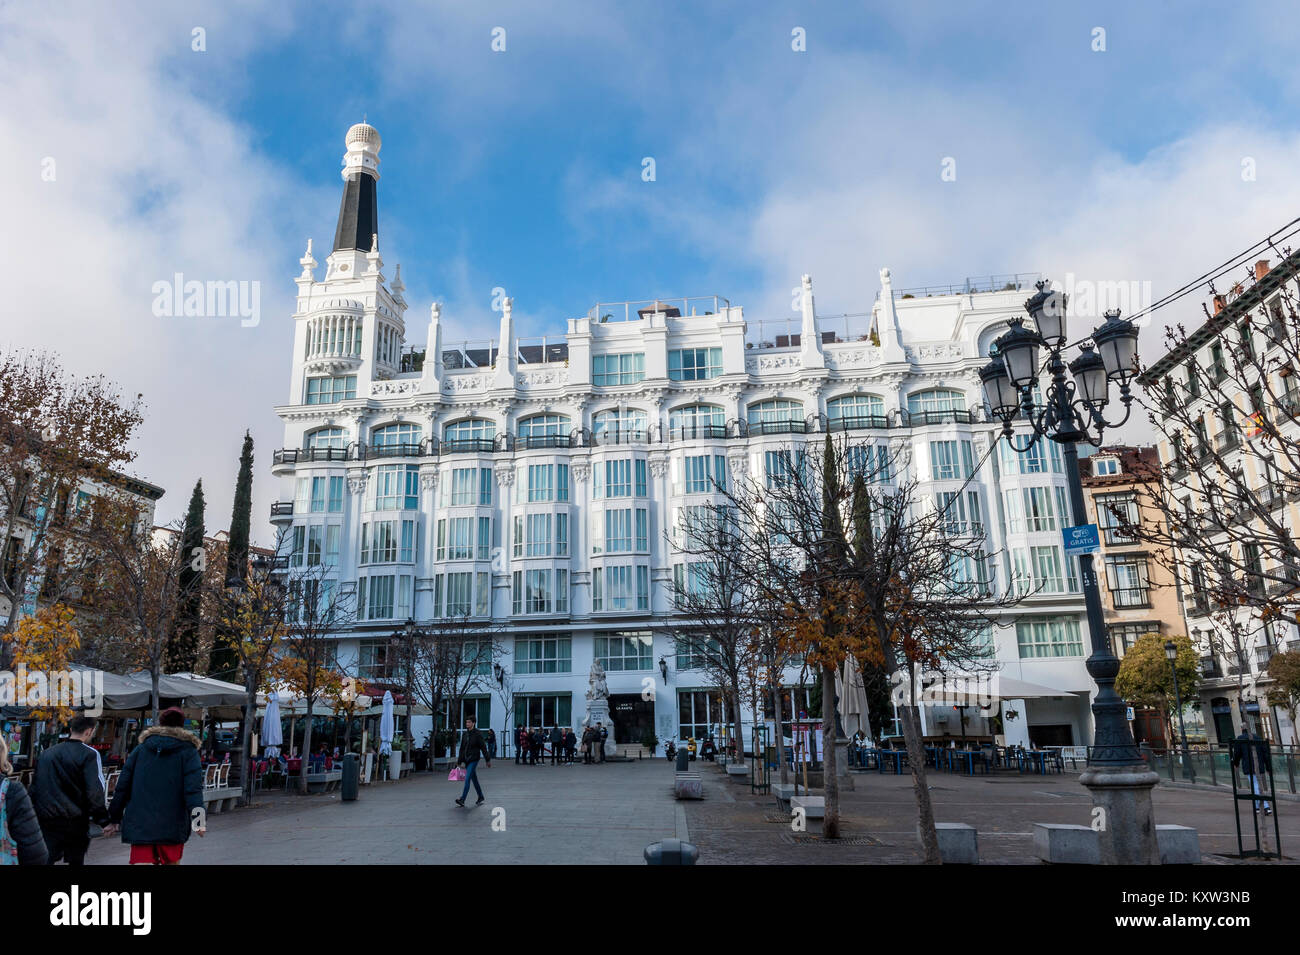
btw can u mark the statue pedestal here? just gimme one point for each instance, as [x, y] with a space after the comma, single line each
[598, 712]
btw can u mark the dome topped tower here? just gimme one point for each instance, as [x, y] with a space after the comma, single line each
[359, 212]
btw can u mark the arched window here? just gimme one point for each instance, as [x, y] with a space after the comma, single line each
[334, 438]
[698, 421]
[936, 399]
[471, 434]
[855, 411]
[544, 431]
[777, 416]
[396, 437]
[619, 426]
[936, 406]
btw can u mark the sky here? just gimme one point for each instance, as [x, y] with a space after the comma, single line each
[1137, 143]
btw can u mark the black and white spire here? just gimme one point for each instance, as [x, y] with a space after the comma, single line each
[359, 211]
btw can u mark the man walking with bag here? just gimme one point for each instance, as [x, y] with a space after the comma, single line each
[471, 748]
[69, 793]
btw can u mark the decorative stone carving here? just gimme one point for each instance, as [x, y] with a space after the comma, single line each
[505, 476]
[393, 387]
[934, 351]
[464, 384]
[357, 482]
[580, 472]
[429, 480]
[760, 364]
[545, 378]
[658, 467]
[866, 357]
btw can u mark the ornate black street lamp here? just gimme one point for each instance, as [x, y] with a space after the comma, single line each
[1072, 411]
[1171, 653]
[663, 669]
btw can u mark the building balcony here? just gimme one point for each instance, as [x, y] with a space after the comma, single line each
[309, 455]
[858, 423]
[1124, 598]
[1226, 441]
[696, 432]
[281, 510]
[1210, 668]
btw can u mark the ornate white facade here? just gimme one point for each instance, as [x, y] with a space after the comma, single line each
[535, 486]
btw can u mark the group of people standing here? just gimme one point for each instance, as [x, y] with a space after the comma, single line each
[532, 743]
[157, 802]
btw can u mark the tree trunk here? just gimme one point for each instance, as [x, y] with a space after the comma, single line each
[153, 681]
[830, 782]
[916, 760]
[780, 736]
[246, 739]
[306, 747]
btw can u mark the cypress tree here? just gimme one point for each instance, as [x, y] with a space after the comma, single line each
[224, 661]
[241, 516]
[182, 649]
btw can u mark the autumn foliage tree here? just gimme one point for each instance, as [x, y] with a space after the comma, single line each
[1145, 678]
[58, 433]
[46, 642]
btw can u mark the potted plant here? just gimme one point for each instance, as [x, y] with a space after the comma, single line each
[649, 741]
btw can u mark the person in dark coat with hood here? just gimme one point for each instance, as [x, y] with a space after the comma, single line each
[21, 840]
[158, 792]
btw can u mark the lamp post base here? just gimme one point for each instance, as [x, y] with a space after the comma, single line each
[1127, 833]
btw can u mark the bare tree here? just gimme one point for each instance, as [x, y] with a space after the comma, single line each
[446, 660]
[58, 433]
[858, 561]
[1219, 517]
[316, 612]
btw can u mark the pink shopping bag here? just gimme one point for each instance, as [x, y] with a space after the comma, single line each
[456, 775]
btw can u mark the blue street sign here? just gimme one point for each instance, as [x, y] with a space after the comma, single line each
[1081, 540]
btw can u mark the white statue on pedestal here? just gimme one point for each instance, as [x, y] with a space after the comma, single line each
[598, 706]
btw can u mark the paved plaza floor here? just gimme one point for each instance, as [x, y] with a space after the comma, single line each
[607, 814]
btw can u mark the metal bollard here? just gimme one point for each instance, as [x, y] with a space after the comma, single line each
[683, 760]
[671, 852]
[351, 782]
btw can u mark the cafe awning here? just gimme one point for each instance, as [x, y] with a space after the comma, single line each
[976, 689]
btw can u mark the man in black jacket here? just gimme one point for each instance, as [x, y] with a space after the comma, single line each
[557, 744]
[570, 745]
[602, 734]
[471, 747]
[68, 794]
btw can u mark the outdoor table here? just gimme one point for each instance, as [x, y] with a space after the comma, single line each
[1036, 758]
[968, 757]
[895, 754]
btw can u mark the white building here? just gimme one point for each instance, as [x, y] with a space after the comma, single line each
[531, 482]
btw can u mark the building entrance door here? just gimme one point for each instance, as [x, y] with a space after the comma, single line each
[634, 718]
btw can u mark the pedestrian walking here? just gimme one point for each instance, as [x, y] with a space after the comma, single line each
[535, 743]
[521, 745]
[158, 800]
[68, 794]
[570, 745]
[21, 841]
[471, 748]
[492, 743]
[1252, 754]
[557, 745]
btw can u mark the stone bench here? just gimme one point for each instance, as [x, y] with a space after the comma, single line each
[783, 792]
[1178, 845]
[737, 771]
[958, 843]
[688, 786]
[1066, 844]
[814, 812]
[324, 782]
[221, 800]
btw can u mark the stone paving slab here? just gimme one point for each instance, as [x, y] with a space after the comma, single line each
[608, 814]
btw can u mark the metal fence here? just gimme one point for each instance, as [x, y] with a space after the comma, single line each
[1212, 765]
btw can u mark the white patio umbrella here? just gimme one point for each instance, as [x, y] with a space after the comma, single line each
[386, 724]
[853, 699]
[272, 736]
